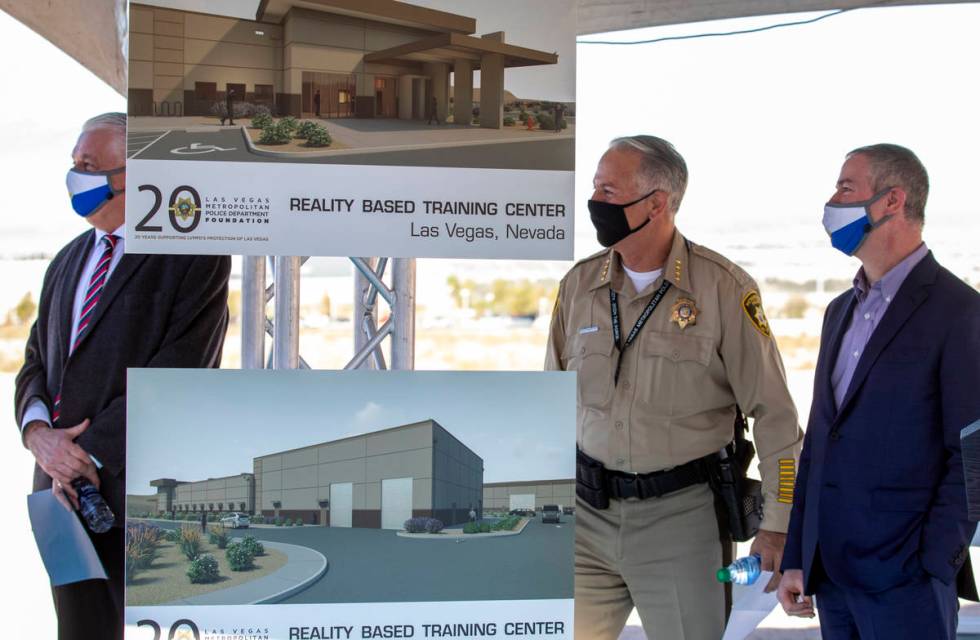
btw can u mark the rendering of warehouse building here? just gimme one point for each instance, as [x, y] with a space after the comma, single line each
[505, 496]
[230, 493]
[364, 58]
[374, 480]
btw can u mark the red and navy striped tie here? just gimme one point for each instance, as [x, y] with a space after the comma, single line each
[95, 287]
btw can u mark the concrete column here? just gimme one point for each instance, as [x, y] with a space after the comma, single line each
[438, 72]
[462, 91]
[492, 91]
[405, 97]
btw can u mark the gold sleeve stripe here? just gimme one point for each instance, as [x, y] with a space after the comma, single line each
[787, 480]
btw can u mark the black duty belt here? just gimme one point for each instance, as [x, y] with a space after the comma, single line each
[596, 484]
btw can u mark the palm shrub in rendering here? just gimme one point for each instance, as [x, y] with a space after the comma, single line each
[203, 569]
[240, 557]
[190, 542]
[318, 137]
[142, 544]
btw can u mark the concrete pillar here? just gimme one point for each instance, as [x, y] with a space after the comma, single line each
[492, 91]
[462, 91]
[405, 97]
[438, 72]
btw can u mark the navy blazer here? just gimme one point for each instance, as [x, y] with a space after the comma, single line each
[155, 311]
[880, 495]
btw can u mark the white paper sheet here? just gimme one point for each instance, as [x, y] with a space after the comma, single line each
[65, 547]
[752, 605]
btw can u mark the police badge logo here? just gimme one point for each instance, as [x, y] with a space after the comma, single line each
[184, 208]
[684, 312]
[752, 305]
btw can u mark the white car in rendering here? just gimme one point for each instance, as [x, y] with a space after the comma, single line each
[235, 521]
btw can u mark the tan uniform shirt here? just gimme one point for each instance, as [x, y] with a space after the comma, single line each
[706, 347]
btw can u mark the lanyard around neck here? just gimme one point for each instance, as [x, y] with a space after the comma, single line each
[658, 296]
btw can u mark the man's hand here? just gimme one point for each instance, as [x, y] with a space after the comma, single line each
[769, 545]
[58, 455]
[791, 596]
[66, 495]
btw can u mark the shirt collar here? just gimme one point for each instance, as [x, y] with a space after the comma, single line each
[675, 268]
[118, 232]
[891, 281]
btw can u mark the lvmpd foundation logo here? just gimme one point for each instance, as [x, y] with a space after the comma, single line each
[185, 629]
[184, 207]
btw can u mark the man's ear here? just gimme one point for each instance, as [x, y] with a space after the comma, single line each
[895, 201]
[658, 204]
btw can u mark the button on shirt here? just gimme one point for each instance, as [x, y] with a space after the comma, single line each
[872, 303]
[37, 410]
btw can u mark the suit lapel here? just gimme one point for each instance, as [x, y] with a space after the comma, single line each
[910, 295]
[69, 285]
[838, 327]
[128, 265]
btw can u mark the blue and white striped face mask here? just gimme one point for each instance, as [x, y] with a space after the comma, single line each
[90, 190]
[848, 224]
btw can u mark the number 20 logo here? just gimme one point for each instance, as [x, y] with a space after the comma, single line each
[184, 205]
[175, 629]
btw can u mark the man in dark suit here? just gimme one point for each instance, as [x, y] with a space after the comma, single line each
[102, 310]
[879, 529]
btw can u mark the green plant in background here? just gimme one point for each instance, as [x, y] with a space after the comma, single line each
[509, 121]
[261, 120]
[172, 535]
[319, 137]
[289, 123]
[278, 522]
[275, 133]
[203, 569]
[485, 527]
[471, 527]
[304, 129]
[288, 522]
[298, 521]
[190, 542]
[252, 544]
[240, 557]
[218, 537]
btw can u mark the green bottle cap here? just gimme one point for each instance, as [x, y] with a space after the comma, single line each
[724, 575]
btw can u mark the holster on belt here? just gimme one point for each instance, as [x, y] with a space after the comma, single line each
[590, 483]
[740, 496]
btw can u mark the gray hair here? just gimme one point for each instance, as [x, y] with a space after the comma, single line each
[660, 164]
[894, 166]
[112, 119]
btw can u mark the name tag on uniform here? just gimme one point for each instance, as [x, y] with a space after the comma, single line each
[585, 330]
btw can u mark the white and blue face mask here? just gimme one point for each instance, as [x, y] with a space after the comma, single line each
[90, 190]
[848, 224]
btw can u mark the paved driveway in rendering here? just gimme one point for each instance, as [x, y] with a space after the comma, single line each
[374, 565]
[228, 145]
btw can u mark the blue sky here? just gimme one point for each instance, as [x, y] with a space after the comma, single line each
[189, 424]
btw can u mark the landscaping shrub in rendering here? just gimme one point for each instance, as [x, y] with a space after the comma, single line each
[172, 535]
[288, 522]
[261, 120]
[509, 121]
[240, 558]
[203, 569]
[471, 527]
[304, 129]
[218, 537]
[319, 137]
[289, 123]
[423, 525]
[142, 543]
[275, 133]
[190, 542]
[253, 545]
[433, 525]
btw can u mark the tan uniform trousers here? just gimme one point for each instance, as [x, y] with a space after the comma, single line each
[660, 555]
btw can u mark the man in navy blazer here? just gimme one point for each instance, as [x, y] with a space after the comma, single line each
[879, 529]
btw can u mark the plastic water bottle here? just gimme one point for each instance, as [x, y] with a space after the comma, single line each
[743, 571]
[96, 513]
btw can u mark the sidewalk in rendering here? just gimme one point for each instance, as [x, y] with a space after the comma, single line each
[303, 567]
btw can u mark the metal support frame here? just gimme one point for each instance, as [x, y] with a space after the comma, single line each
[285, 293]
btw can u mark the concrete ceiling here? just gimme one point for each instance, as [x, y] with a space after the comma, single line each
[74, 25]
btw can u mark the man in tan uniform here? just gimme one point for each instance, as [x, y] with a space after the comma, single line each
[656, 397]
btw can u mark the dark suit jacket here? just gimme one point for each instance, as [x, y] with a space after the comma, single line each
[880, 495]
[155, 311]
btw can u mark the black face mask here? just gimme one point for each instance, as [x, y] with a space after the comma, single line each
[610, 220]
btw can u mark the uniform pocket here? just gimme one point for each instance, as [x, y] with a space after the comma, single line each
[671, 372]
[590, 355]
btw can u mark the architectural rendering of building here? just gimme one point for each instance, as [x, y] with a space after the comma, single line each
[504, 496]
[333, 58]
[230, 493]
